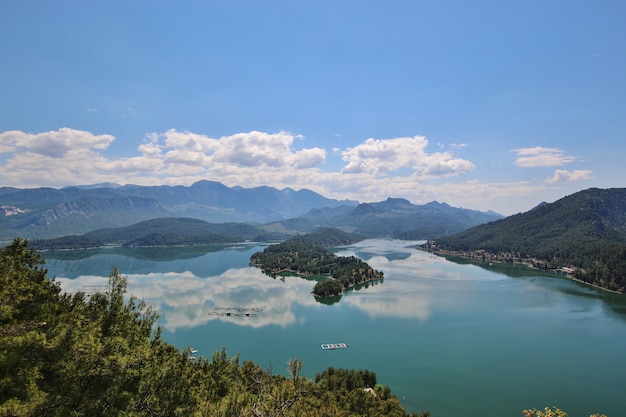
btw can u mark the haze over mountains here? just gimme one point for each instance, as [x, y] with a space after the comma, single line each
[49, 213]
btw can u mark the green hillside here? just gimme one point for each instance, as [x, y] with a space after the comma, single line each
[161, 232]
[585, 231]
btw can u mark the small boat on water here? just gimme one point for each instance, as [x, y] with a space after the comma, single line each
[333, 346]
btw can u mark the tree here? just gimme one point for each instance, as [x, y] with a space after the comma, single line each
[294, 366]
[29, 305]
[26, 293]
[328, 288]
[551, 412]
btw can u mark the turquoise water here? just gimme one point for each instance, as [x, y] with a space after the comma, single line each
[455, 339]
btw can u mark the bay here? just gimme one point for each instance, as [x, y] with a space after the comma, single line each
[453, 338]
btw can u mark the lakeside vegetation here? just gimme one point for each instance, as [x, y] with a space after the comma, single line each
[101, 355]
[310, 255]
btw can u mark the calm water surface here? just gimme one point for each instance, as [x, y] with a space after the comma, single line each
[456, 339]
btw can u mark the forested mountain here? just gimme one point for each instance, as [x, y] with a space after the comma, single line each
[49, 212]
[101, 355]
[161, 232]
[394, 217]
[82, 215]
[585, 231]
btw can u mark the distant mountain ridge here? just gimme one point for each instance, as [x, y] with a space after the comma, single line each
[394, 217]
[50, 212]
[91, 206]
[41, 213]
[161, 232]
[188, 231]
[585, 231]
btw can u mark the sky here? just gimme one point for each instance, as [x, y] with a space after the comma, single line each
[488, 105]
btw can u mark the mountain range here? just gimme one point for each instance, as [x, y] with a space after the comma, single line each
[394, 217]
[44, 213]
[49, 212]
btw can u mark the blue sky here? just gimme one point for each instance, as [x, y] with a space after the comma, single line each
[482, 104]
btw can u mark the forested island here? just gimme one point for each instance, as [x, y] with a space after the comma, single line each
[310, 255]
[101, 355]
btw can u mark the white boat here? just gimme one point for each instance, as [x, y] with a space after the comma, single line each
[333, 346]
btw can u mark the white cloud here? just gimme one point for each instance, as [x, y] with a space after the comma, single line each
[541, 157]
[150, 149]
[308, 158]
[69, 157]
[458, 145]
[252, 149]
[380, 156]
[187, 141]
[562, 175]
[63, 143]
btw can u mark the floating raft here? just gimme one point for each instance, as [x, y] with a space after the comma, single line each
[229, 314]
[333, 346]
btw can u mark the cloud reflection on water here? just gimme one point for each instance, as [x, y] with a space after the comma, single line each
[416, 281]
[412, 289]
[185, 300]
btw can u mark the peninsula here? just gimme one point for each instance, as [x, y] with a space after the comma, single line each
[582, 236]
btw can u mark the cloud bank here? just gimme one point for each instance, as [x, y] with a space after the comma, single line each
[380, 156]
[370, 171]
[253, 158]
[562, 175]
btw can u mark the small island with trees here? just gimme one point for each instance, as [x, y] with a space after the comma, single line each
[310, 255]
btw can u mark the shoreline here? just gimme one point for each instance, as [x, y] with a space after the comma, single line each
[554, 271]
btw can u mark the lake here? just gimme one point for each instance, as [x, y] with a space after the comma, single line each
[452, 338]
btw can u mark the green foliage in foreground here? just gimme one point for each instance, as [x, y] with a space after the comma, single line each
[309, 255]
[73, 355]
[551, 412]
